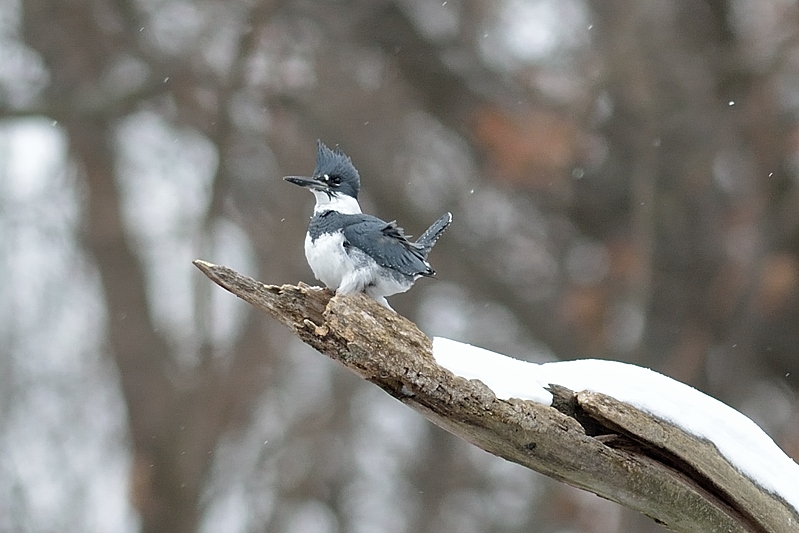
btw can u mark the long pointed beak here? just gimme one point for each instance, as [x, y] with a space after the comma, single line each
[308, 183]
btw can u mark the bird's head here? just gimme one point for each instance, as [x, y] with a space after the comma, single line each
[334, 175]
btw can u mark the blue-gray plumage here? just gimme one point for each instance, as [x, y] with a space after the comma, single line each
[352, 252]
[337, 164]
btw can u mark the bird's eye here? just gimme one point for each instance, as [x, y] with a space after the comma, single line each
[335, 180]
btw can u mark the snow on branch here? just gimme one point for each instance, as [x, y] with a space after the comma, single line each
[586, 439]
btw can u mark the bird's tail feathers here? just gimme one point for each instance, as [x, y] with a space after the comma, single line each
[427, 239]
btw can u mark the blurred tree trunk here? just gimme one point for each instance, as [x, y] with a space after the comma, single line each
[175, 415]
[164, 493]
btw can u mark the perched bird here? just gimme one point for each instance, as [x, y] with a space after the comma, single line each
[351, 252]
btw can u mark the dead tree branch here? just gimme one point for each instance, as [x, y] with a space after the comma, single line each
[587, 440]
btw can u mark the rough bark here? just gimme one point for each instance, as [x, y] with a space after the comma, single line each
[587, 440]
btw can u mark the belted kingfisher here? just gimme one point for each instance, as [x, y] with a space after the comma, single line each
[351, 252]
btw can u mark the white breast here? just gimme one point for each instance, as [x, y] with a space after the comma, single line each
[349, 271]
[328, 259]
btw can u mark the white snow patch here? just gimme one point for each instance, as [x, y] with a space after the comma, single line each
[506, 376]
[738, 438]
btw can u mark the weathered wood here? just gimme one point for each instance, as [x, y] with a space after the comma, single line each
[696, 456]
[638, 471]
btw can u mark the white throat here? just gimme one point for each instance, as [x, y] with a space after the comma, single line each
[338, 202]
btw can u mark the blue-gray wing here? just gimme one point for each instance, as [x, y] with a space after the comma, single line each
[387, 244]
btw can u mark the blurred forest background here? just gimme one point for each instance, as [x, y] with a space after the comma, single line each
[624, 179]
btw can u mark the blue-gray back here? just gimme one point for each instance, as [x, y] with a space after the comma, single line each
[385, 242]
